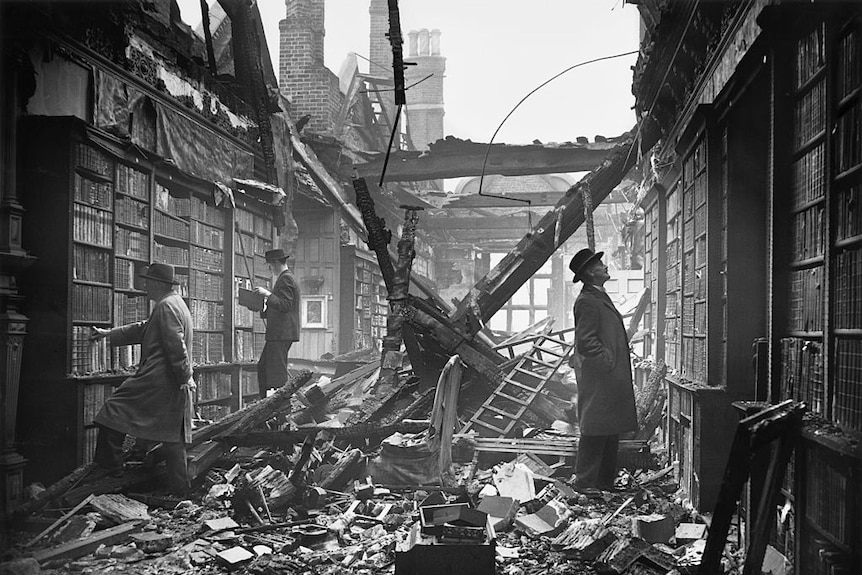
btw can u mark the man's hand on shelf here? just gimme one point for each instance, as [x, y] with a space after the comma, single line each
[98, 333]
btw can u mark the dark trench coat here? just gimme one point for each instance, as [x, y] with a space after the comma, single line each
[150, 404]
[606, 403]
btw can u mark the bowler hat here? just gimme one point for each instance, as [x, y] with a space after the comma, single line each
[160, 272]
[276, 255]
[581, 260]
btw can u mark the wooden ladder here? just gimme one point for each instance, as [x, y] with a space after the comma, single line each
[523, 383]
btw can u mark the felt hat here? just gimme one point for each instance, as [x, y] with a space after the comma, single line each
[276, 255]
[581, 260]
[160, 272]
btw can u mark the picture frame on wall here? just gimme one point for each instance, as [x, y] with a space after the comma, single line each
[313, 311]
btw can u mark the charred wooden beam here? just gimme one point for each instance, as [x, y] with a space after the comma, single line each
[504, 160]
[390, 357]
[252, 416]
[370, 431]
[492, 291]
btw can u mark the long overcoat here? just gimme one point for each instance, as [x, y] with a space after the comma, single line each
[606, 403]
[282, 309]
[150, 404]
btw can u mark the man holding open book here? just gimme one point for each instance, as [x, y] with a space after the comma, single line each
[281, 310]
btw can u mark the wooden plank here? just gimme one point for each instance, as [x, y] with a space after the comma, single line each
[54, 525]
[81, 547]
[565, 447]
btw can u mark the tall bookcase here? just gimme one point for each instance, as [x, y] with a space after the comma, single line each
[820, 335]
[111, 209]
[362, 325]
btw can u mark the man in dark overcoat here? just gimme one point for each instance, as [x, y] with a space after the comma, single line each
[601, 359]
[281, 310]
[155, 404]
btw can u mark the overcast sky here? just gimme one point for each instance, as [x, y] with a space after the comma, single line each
[497, 51]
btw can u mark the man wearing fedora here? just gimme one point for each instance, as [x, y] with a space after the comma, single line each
[155, 404]
[281, 310]
[606, 402]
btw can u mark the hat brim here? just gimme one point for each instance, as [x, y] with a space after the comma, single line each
[591, 259]
[163, 280]
[273, 260]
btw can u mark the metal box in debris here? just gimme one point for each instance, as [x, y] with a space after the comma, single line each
[451, 552]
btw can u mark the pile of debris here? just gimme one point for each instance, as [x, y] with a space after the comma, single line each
[305, 481]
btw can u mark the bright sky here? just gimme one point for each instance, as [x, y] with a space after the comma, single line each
[497, 51]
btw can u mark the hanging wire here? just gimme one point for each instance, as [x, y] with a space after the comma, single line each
[512, 111]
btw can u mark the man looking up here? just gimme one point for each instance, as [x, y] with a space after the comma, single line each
[281, 310]
[155, 404]
[606, 401]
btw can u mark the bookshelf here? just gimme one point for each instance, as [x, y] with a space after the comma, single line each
[363, 325]
[112, 209]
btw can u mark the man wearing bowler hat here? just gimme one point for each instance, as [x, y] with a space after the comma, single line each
[606, 401]
[155, 404]
[281, 310]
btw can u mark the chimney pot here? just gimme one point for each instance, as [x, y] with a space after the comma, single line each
[412, 39]
[435, 42]
[423, 42]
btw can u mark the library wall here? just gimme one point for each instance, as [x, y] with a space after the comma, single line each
[111, 210]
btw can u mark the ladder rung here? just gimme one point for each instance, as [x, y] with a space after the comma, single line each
[542, 362]
[528, 372]
[552, 352]
[511, 398]
[521, 385]
[561, 342]
[504, 413]
[487, 425]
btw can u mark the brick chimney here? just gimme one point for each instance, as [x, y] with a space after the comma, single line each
[301, 73]
[424, 100]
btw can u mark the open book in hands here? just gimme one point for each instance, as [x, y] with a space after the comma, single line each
[250, 299]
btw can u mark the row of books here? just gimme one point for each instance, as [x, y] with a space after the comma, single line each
[848, 212]
[213, 385]
[695, 163]
[164, 225]
[90, 264]
[99, 194]
[251, 223]
[848, 139]
[849, 65]
[809, 115]
[244, 346]
[206, 286]
[848, 289]
[93, 159]
[248, 382]
[130, 308]
[126, 274]
[828, 487]
[207, 314]
[93, 357]
[132, 244]
[180, 207]
[207, 236]
[88, 357]
[808, 182]
[91, 303]
[805, 305]
[848, 383]
[810, 55]
[808, 233]
[207, 348]
[693, 360]
[133, 182]
[207, 259]
[92, 225]
[802, 372]
[174, 255]
[132, 212]
[200, 210]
